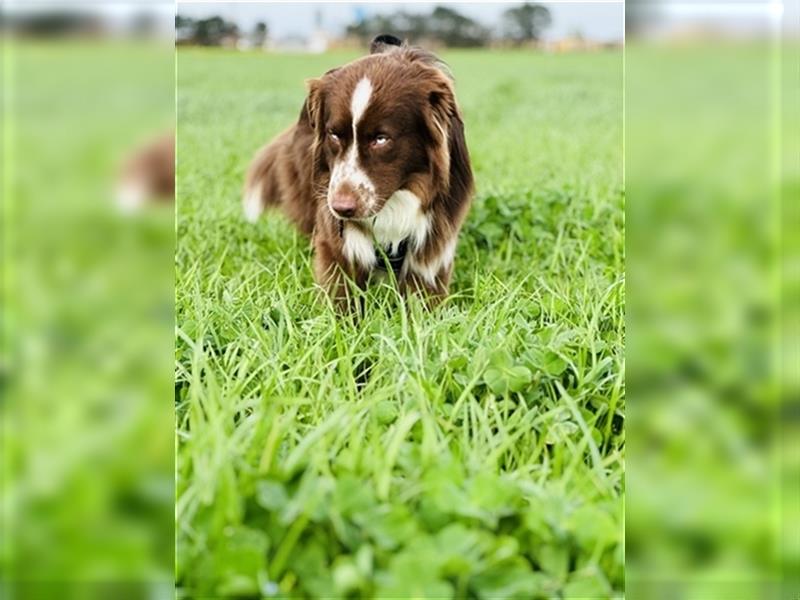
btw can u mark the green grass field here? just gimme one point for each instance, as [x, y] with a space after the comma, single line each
[475, 451]
[86, 426]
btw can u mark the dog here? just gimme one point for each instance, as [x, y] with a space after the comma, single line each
[376, 170]
[148, 175]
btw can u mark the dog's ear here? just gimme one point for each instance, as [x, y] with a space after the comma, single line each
[312, 116]
[384, 42]
[313, 106]
[448, 154]
[460, 180]
[438, 113]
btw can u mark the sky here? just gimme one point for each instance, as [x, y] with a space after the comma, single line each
[600, 21]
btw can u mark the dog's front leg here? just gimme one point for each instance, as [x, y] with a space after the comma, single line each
[340, 279]
[432, 289]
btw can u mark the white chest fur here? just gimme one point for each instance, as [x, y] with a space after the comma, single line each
[399, 219]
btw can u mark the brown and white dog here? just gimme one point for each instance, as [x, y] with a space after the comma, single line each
[376, 170]
[147, 175]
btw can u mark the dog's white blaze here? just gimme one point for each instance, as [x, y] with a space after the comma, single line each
[251, 204]
[360, 100]
[358, 247]
[430, 270]
[348, 170]
[401, 218]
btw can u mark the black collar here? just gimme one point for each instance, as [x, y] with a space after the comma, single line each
[394, 259]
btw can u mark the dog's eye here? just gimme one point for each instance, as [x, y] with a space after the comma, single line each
[333, 136]
[380, 140]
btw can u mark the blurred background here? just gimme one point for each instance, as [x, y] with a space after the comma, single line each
[713, 178]
[712, 184]
[317, 28]
[86, 366]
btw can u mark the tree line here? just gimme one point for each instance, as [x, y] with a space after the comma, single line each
[519, 25]
[213, 31]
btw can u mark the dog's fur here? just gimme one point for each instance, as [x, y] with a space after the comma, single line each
[147, 175]
[377, 160]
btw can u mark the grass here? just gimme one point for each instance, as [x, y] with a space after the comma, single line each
[712, 459]
[86, 437]
[476, 451]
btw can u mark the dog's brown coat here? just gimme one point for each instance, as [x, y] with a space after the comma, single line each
[413, 101]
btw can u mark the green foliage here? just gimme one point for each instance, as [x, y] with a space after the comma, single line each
[444, 24]
[87, 442]
[208, 32]
[472, 451]
[709, 362]
[526, 22]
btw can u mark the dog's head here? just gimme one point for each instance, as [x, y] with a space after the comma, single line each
[384, 123]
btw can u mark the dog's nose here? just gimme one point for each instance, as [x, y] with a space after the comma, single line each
[344, 204]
